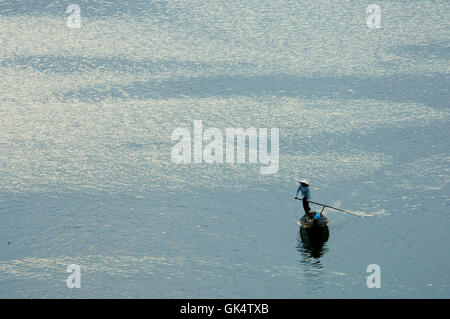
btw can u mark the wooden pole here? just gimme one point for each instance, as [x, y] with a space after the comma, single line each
[341, 210]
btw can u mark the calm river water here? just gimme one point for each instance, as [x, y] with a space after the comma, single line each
[86, 175]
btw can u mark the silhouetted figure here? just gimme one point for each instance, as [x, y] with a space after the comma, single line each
[306, 194]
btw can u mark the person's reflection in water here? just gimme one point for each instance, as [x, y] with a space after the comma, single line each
[311, 245]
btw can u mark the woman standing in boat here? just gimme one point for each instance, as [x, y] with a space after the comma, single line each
[304, 189]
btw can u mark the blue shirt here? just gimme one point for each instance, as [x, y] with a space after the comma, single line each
[305, 191]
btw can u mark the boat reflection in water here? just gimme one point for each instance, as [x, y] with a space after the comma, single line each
[311, 245]
[313, 241]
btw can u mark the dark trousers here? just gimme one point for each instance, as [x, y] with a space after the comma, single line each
[306, 205]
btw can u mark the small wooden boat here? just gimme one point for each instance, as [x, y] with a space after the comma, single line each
[308, 221]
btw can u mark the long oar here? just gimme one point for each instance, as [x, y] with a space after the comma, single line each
[334, 208]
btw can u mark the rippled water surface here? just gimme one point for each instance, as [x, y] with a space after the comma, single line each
[86, 117]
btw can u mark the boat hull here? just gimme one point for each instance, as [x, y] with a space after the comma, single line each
[307, 221]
